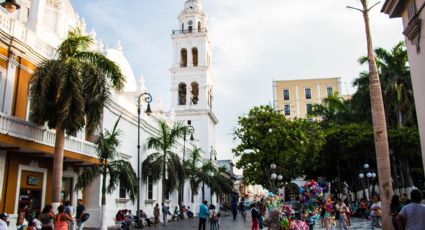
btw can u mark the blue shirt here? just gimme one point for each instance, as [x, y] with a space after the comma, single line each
[203, 211]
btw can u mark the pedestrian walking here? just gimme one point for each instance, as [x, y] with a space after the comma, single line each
[234, 208]
[203, 215]
[329, 213]
[348, 212]
[214, 217]
[395, 208]
[81, 210]
[255, 215]
[375, 212]
[156, 214]
[61, 219]
[165, 212]
[70, 211]
[340, 214]
[3, 221]
[413, 214]
[46, 218]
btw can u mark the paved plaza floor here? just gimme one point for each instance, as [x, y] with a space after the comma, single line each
[227, 223]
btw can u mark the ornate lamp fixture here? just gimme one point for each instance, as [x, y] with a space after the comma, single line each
[10, 5]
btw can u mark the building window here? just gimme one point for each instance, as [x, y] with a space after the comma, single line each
[309, 109]
[286, 94]
[411, 9]
[123, 193]
[190, 29]
[307, 93]
[150, 188]
[199, 26]
[195, 93]
[330, 91]
[182, 94]
[183, 58]
[195, 56]
[287, 110]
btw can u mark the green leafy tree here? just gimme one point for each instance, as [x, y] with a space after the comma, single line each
[113, 172]
[70, 92]
[265, 136]
[164, 164]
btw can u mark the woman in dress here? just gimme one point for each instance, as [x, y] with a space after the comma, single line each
[330, 211]
[61, 219]
[46, 218]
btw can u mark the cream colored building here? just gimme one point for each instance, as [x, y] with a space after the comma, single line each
[412, 13]
[295, 98]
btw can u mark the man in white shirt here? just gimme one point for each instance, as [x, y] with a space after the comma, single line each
[3, 219]
[413, 213]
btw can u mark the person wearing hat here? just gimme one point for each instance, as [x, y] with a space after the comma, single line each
[3, 219]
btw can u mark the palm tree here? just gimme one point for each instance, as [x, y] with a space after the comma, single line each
[193, 171]
[334, 109]
[119, 173]
[379, 122]
[220, 183]
[394, 73]
[164, 162]
[70, 92]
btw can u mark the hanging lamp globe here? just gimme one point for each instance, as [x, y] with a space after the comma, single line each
[10, 5]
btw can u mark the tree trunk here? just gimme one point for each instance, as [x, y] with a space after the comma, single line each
[379, 127]
[163, 176]
[103, 209]
[203, 192]
[58, 167]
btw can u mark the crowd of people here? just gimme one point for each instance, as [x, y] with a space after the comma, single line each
[65, 218]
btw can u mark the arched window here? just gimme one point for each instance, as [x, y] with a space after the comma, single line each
[199, 26]
[183, 58]
[195, 93]
[182, 27]
[195, 56]
[182, 94]
[190, 29]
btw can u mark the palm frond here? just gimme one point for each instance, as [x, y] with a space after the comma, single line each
[121, 173]
[87, 177]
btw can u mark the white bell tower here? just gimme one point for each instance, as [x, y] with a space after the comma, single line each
[191, 75]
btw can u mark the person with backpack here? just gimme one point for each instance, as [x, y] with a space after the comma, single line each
[81, 216]
[255, 215]
[214, 217]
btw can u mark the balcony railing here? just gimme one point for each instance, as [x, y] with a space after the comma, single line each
[190, 31]
[26, 130]
[18, 30]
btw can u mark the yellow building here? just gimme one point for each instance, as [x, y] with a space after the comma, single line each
[295, 98]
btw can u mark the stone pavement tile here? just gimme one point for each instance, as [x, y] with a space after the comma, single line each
[227, 223]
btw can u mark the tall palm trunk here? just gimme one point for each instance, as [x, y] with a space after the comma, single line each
[163, 177]
[379, 126]
[103, 215]
[58, 166]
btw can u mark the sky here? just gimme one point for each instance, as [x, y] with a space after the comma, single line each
[254, 42]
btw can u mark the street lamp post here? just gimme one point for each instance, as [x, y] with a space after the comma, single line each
[147, 97]
[274, 177]
[212, 152]
[188, 130]
[369, 175]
